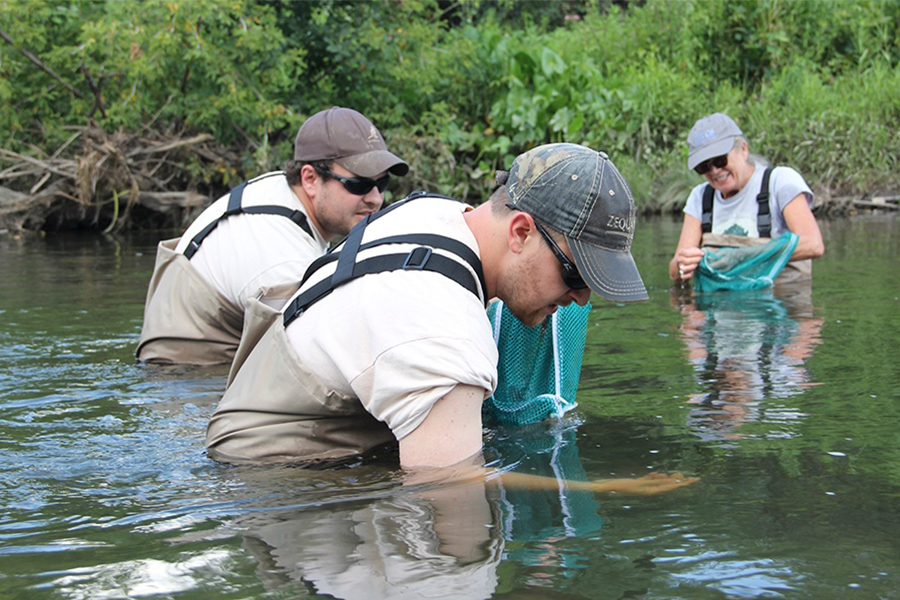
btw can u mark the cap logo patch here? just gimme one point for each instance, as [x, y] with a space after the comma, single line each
[703, 137]
[617, 223]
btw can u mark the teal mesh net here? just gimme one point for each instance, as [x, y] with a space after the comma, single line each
[548, 449]
[539, 367]
[746, 268]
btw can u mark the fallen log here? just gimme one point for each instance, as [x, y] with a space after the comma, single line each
[876, 203]
[167, 202]
[109, 175]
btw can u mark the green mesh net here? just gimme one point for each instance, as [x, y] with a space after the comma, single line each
[538, 367]
[548, 449]
[746, 268]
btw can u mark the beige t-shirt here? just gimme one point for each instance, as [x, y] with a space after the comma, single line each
[399, 341]
[247, 254]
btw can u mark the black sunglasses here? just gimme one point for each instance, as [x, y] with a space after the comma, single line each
[571, 276]
[719, 162]
[358, 186]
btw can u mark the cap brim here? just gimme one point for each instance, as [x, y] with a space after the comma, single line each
[717, 148]
[371, 164]
[612, 275]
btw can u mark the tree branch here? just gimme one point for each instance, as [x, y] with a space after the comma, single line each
[41, 65]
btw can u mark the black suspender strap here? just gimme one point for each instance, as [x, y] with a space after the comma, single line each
[706, 222]
[421, 258]
[425, 239]
[234, 199]
[235, 208]
[347, 256]
[763, 218]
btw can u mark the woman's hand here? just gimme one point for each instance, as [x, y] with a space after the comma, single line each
[685, 262]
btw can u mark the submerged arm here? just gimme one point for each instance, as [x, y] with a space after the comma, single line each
[446, 448]
[654, 483]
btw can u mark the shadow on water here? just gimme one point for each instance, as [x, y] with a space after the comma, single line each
[787, 407]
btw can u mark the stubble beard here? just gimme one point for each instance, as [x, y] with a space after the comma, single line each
[519, 290]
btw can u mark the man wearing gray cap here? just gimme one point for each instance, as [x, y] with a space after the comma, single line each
[256, 242]
[387, 342]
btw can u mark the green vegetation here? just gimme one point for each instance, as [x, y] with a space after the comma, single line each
[458, 88]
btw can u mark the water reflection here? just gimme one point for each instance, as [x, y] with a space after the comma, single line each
[106, 492]
[539, 523]
[363, 533]
[437, 543]
[546, 449]
[749, 351]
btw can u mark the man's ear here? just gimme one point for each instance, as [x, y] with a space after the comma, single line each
[520, 227]
[308, 180]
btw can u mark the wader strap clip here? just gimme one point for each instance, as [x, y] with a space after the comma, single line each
[417, 258]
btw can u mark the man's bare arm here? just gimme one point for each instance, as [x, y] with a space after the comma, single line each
[449, 434]
[445, 448]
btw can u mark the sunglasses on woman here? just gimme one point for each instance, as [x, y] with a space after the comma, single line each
[719, 162]
[358, 186]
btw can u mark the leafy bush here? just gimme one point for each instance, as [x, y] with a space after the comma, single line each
[459, 89]
[204, 66]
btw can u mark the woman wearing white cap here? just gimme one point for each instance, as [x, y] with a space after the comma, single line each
[742, 202]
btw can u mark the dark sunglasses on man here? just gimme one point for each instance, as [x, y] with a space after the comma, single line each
[358, 186]
[719, 162]
[571, 276]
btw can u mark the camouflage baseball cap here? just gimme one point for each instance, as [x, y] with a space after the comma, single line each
[349, 139]
[579, 192]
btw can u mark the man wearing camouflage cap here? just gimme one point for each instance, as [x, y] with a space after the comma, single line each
[387, 342]
[257, 241]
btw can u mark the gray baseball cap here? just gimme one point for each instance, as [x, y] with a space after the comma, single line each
[710, 137]
[349, 139]
[579, 192]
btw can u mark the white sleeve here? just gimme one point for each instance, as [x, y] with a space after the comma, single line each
[694, 204]
[786, 185]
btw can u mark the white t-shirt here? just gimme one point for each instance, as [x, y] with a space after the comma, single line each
[737, 215]
[246, 254]
[401, 340]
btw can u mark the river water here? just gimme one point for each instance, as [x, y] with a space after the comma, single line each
[786, 407]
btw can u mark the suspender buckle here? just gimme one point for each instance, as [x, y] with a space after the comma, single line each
[191, 249]
[417, 258]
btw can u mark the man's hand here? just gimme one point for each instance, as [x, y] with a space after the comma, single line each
[654, 483]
